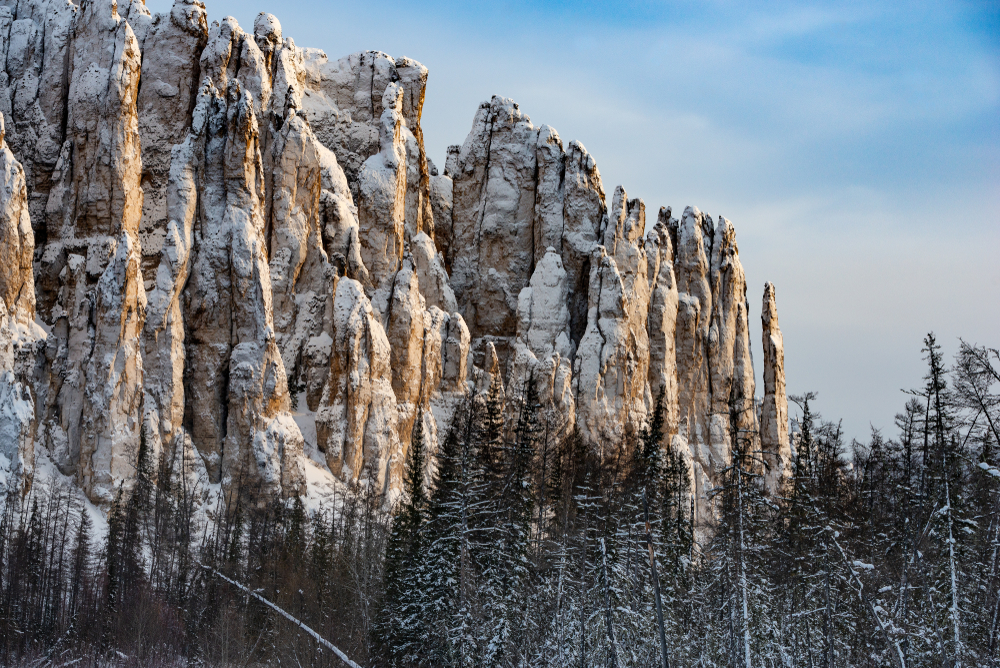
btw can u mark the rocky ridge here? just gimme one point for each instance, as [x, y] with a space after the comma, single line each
[219, 241]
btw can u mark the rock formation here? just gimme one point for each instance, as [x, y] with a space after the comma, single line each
[17, 241]
[382, 198]
[612, 361]
[169, 86]
[774, 439]
[89, 286]
[225, 233]
[543, 351]
[20, 338]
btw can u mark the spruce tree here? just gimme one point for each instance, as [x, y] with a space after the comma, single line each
[399, 629]
[649, 452]
[949, 571]
[81, 563]
[508, 521]
[442, 572]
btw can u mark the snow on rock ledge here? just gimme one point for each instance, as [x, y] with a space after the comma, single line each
[356, 423]
[256, 221]
[20, 338]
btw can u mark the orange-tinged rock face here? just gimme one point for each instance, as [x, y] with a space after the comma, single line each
[17, 240]
[249, 257]
[774, 437]
[20, 338]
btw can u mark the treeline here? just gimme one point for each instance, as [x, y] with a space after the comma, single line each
[527, 553]
[514, 548]
[145, 593]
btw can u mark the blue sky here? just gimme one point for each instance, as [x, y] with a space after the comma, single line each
[854, 145]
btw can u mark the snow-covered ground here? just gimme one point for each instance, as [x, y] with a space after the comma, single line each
[322, 487]
[49, 478]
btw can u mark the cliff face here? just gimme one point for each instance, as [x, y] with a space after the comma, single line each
[218, 241]
[21, 340]
[774, 438]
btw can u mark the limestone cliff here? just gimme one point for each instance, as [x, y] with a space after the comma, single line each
[238, 250]
[20, 338]
[774, 438]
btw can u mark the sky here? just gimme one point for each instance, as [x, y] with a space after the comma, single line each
[855, 146]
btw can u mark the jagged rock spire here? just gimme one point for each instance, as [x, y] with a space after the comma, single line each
[774, 410]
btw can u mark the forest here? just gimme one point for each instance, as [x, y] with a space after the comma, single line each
[526, 550]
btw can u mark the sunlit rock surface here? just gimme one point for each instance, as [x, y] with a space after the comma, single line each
[237, 249]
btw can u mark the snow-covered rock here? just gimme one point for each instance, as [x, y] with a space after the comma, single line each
[89, 287]
[200, 222]
[543, 351]
[612, 361]
[429, 264]
[170, 82]
[234, 371]
[34, 76]
[356, 425]
[343, 102]
[774, 439]
[382, 199]
[441, 187]
[20, 338]
[662, 321]
[492, 217]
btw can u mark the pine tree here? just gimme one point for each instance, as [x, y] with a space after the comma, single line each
[294, 544]
[811, 578]
[133, 517]
[442, 572]
[320, 556]
[113, 555]
[746, 634]
[399, 630]
[649, 452]
[81, 563]
[948, 480]
[505, 564]
[973, 379]
[676, 514]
